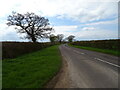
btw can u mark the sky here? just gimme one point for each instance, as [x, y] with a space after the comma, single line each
[86, 20]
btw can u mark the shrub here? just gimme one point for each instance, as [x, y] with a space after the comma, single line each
[14, 49]
[103, 44]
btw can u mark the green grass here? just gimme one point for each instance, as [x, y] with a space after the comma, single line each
[32, 70]
[112, 52]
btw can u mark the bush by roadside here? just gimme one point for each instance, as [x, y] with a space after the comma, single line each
[15, 49]
[101, 44]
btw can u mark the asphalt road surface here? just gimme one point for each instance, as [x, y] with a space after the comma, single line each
[90, 69]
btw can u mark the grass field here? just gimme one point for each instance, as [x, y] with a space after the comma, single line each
[32, 70]
[112, 52]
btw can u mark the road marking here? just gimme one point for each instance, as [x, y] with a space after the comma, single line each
[78, 52]
[107, 62]
[82, 53]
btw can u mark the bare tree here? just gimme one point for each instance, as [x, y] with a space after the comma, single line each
[70, 38]
[34, 26]
[60, 37]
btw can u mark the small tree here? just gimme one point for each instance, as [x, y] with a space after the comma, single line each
[60, 37]
[34, 26]
[53, 38]
[70, 38]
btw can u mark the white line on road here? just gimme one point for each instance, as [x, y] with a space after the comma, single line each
[78, 52]
[82, 53]
[107, 62]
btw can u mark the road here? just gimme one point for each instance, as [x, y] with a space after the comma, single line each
[90, 69]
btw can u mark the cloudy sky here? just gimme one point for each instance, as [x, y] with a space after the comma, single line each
[93, 20]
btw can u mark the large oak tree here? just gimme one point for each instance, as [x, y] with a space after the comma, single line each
[34, 26]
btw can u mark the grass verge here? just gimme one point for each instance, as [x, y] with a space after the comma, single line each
[32, 70]
[112, 52]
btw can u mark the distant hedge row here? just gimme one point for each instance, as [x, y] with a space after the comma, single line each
[14, 49]
[103, 44]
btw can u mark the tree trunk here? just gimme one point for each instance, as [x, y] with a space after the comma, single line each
[34, 39]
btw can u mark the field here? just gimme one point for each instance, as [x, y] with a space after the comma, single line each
[32, 70]
[104, 46]
[15, 49]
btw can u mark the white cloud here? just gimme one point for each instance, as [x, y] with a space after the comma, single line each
[8, 33]
[66, 30]
[88, 28]
[81, 10]
[104, 22]
[86, 32]
[96, 34]
[80, 34]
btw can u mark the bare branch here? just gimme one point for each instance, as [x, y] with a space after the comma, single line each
[33, 25]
